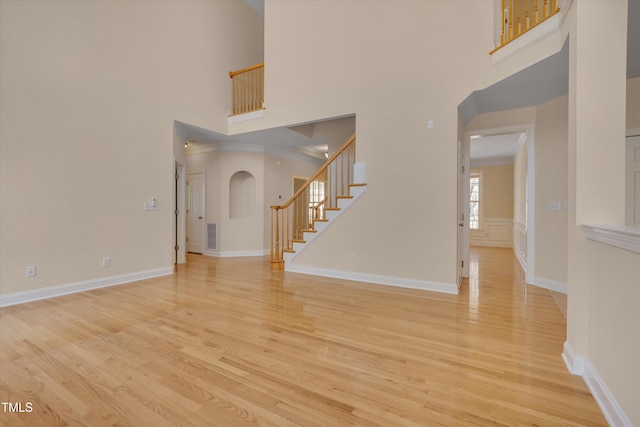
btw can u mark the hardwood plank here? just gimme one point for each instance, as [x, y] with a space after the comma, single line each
[229, 342]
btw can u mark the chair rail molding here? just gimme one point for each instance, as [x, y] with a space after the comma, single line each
[622, 236]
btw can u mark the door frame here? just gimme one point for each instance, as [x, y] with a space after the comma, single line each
[629, 195]
[529, 128]
[201, 230]
[462, 175]
[179, 206]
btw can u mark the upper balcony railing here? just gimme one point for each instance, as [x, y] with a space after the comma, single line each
[520, 16]
[248, 89]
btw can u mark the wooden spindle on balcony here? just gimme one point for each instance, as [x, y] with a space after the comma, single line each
[520, 16]
[248, 89]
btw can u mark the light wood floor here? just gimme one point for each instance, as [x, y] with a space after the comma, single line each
[227, 342]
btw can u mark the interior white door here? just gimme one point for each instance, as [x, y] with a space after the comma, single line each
[195, 213]
[633, 180]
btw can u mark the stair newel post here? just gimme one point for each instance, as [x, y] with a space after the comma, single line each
[277, 261]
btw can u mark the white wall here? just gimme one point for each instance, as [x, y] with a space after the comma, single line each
[274, 177]
[520, 185]
[411, 169]
[89, 92]
[633, 103]
[337, 131]
[602, 281]
[496, 228]
[551, 186]
[614, 340]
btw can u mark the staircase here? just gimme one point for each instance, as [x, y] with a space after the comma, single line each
[324, 197]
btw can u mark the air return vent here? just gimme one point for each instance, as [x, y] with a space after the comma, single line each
[212, 236]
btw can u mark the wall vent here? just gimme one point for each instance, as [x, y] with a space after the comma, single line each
[212, 236]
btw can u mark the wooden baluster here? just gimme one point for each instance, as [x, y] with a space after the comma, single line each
[234, 89]
[250, 76]
[245, 89]
[510, 15]
[305, 204]
[240, 94]
[518, 12]
[254, 86]
[241, 88]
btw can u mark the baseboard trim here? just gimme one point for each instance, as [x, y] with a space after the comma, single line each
[86, 285]
[575, 364]
[449, 288]
[234, 254]
[581, 366]
[520, 258]
[552, 285]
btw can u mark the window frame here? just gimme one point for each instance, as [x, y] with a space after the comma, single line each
[473, 175]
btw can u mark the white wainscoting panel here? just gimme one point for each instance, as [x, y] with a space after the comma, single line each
[520, 243]
[495, 232]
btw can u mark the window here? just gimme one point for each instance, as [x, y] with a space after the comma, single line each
[316, 200]
[475, 181]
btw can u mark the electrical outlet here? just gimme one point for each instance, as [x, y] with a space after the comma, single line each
[106, 261]
[31, 271]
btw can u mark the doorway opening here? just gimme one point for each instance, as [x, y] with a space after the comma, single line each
[195, 213]
[179, 234]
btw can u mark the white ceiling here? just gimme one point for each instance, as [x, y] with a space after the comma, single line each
[495, 149]
[280, 139]
[257, 5]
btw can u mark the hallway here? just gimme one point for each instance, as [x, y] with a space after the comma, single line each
[228, 342]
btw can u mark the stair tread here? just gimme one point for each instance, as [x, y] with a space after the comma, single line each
[299, 241]
[320, 220]
[344, 197]
[310, 231]
[331, 209]
[358, 184]
[289, 251]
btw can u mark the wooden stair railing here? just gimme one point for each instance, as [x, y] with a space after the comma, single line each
[309, 204]
[248, 89]
[520, 16]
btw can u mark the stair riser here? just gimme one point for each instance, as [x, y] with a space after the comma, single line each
[320, 226]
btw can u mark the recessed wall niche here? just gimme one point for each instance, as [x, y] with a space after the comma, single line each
[242, 195]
